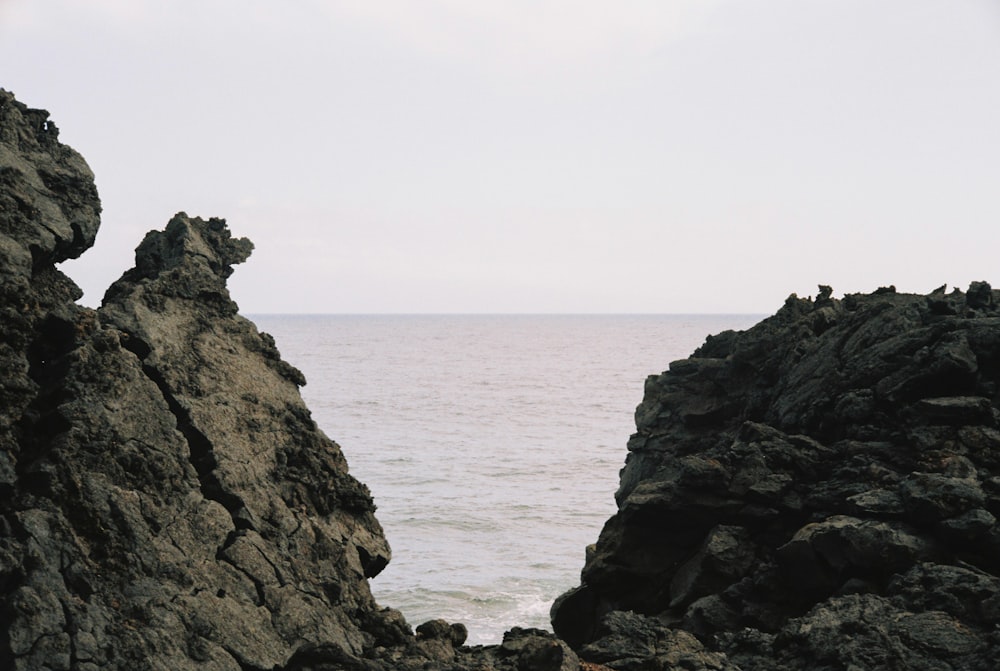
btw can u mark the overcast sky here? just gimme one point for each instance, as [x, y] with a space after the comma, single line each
[543, 156]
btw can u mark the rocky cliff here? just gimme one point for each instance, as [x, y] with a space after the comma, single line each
[166, 501]
[818, 492]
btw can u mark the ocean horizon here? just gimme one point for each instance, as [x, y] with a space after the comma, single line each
[491, 442]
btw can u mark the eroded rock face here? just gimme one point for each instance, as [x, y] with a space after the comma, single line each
[49, 212]
[167, 501]
[817, 492]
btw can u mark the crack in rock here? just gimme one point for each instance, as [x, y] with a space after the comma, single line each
[200, 448]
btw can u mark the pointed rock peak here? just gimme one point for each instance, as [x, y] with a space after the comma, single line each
[190, 241]
[189, 260]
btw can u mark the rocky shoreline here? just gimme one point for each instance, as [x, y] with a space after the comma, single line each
[817, 492]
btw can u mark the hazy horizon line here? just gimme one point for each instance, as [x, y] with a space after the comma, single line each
[505, 314]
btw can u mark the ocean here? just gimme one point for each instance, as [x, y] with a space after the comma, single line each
[491, 443]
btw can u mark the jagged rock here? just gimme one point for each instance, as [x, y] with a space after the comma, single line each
[165, 498]
[818, 492]
[627, 641]
[49, 212]
[870, 632]
[786, 485]
[536, 650]
[166, 501]
[822, 556]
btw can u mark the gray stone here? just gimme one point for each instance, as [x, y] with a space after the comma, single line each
[851, 441]
[817, 492]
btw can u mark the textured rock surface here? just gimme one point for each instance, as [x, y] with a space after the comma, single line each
[818, 492]
[166, 496]
[166, 501]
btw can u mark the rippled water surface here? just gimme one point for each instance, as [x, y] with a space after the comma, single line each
[492, 444]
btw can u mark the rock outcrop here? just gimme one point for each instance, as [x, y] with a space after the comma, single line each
[817, 492]
[166, 500]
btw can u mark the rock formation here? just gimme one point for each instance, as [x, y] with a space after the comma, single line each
[166, 501]
[166, 496]
[818, 492]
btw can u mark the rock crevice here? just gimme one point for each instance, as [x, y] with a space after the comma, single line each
[200, 448]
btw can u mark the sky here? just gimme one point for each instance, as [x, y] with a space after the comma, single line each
[448, 156]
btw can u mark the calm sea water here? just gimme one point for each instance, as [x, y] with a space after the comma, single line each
[492, 444]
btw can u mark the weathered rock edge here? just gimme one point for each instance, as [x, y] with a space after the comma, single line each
[166, 500]
[818, 492]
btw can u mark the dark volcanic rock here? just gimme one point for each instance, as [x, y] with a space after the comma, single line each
[817, 492]
[166, 501]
